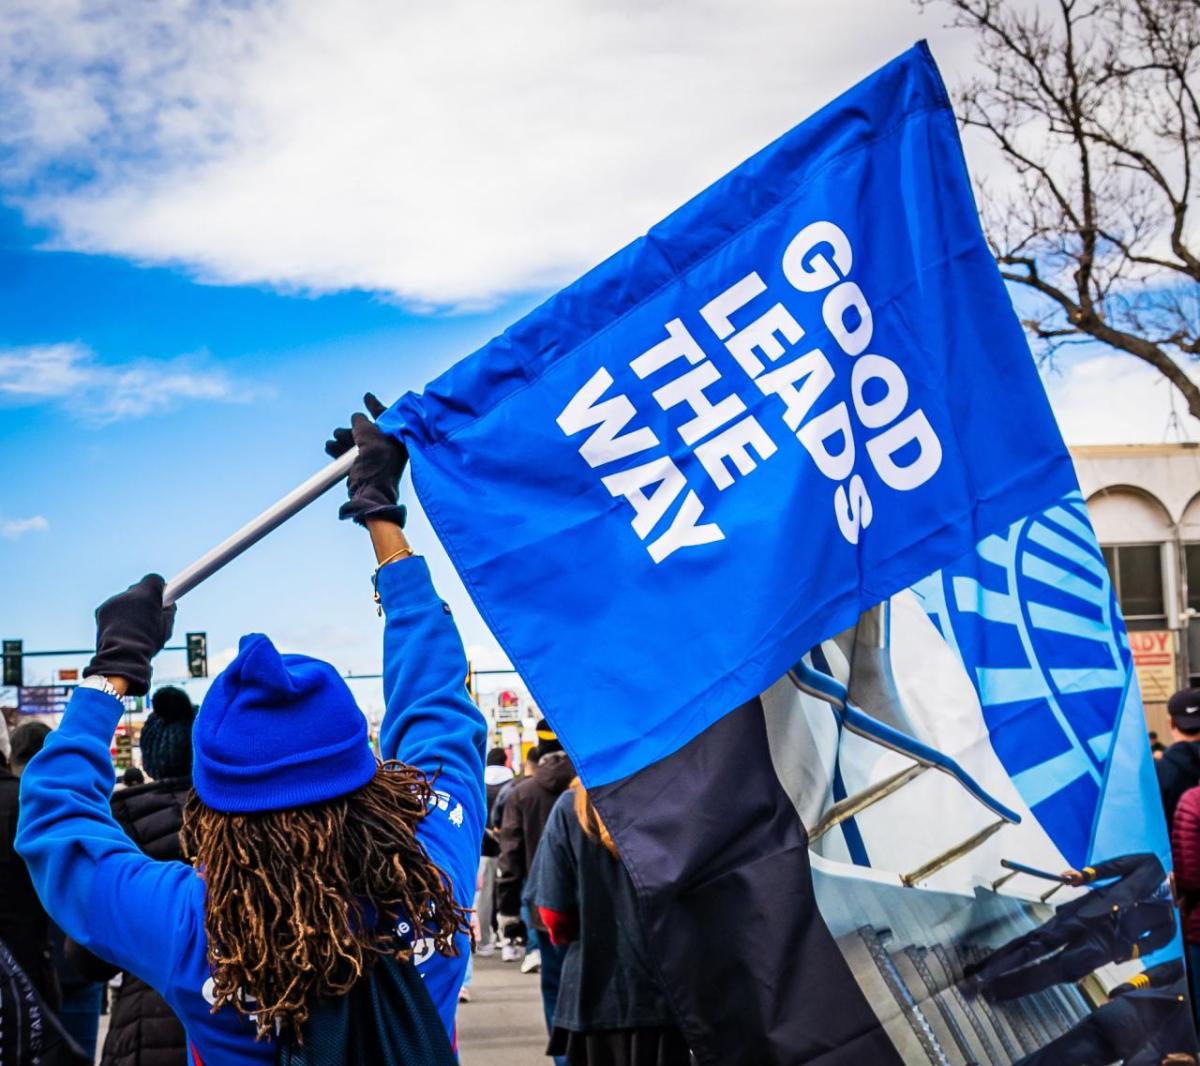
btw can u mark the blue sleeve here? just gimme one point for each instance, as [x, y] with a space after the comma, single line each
[430, 721]
[92, 879]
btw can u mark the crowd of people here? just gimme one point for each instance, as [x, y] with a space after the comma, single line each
[269, 887]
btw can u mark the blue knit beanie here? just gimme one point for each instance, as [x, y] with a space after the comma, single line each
[278, 731]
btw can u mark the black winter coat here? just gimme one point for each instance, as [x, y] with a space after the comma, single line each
[24, 925]
[526, 810]
[143, 1030]
[1177, 770]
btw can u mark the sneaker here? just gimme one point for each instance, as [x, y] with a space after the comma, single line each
[510, 953]
[464, 995]
[532, 963]
[486, 951]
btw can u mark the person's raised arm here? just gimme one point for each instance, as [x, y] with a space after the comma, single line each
[93, 880]
[430, 721]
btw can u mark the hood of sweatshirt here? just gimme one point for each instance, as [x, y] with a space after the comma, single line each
[554, 772]
[497, 775]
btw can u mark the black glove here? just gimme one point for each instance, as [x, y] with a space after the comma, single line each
[131, 628]
[374, 483]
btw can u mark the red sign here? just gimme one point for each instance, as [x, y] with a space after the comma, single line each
[69, 675]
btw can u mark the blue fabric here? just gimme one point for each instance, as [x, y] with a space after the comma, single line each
[681, 445]
[148, 917]
[278, 731]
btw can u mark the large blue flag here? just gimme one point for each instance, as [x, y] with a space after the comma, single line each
[771, 514]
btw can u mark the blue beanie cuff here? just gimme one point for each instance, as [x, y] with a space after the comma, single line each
[311, 777]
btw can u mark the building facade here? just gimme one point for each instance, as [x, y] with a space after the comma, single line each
[1144, 501]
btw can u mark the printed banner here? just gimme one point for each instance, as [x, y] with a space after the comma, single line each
[771, 514]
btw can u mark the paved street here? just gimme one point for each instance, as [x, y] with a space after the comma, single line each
[502, 1025]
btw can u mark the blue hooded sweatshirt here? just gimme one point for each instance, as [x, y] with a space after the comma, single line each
[148, 917]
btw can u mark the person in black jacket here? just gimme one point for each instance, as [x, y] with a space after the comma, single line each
[30, 1034]
[611, 1008]
[1129, 918]
[1179, 768]
[525, 812]
[143, 1030]
[1146, 1019]
[24, 925]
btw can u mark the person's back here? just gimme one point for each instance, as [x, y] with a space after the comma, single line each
[24, 925]
[610, 1007]
[312, 863]
[1178, 769]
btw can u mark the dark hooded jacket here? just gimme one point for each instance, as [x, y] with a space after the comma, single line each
[24, 925]
[1178, 770]
[526, 811]
[143, 1030]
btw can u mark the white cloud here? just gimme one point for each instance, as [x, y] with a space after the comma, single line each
[442, 152]
[99, 393]
[12, 528]
[1111, 398]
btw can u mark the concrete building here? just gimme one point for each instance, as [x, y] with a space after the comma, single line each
[1144, 501]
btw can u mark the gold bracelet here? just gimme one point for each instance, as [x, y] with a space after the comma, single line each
[403, 553]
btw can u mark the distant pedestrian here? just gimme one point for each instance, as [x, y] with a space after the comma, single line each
[525, 813]
[1185, 857]
[24, 924]
[132, 777]
[496, 775]
[1179, 768]
[611, 1010]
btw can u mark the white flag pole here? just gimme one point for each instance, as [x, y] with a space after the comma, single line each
[257, 528]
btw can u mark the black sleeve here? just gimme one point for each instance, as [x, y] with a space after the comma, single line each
[1120, 866]
[511, 874]
[90, 967]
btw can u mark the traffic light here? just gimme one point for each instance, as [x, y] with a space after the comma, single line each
[14, 671]
[197, 654]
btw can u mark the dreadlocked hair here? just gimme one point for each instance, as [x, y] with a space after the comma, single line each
[300, 903]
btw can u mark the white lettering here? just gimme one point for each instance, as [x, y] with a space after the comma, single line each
[689, 389]
[718, 310]
[759, 337]
[840, 300]
[816, 373]
[732, 445]
[812, 273]
[888, 407]
[881, 449]
[632, 484]
[679, 342]
[829, 424]
[684, 533]
[610, 417]
[854, 512]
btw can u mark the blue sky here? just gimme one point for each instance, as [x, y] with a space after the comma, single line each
[221, 221]
[158, 485]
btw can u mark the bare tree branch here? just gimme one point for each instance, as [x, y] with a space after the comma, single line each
[1096, 109]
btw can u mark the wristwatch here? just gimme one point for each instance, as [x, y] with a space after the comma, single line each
[102, 684]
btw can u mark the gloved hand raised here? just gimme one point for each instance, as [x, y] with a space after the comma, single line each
[374, 483]
[131, 628]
